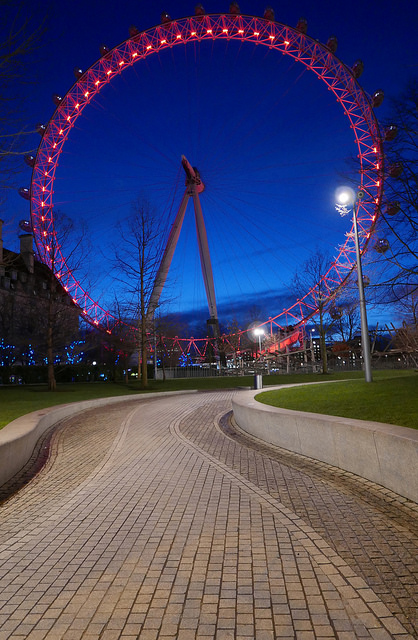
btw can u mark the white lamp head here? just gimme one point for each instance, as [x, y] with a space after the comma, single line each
[345, 195]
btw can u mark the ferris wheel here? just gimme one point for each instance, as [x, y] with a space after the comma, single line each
[261, 33]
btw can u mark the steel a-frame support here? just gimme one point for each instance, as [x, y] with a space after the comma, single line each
[194, 186]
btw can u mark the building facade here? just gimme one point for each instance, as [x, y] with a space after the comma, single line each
[32, 303]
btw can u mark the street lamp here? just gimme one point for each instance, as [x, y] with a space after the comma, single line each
[258, 332]
[346, 198]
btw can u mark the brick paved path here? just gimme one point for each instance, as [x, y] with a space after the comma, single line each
[149, 522]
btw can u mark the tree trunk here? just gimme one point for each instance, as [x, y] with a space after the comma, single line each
[144, 367]
[323, 346]
[52, 383]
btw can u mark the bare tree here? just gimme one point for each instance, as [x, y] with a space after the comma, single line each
[397, 232]
[311, 275]
[121, 340]
[21, 38]
[407, 305]
[345, 315]
[62, 316]
[233, 340]
[138, 257]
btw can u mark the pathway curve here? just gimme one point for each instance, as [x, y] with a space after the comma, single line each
[159, 520]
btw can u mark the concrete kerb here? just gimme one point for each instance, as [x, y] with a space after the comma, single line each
[18, 438]
[383, 453]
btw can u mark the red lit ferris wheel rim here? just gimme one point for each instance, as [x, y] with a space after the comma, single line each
[286, 40]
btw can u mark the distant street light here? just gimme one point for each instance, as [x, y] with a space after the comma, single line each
[347, 198]
[258, 332]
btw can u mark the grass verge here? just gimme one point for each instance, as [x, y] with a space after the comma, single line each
[393, 399]
[19, 400]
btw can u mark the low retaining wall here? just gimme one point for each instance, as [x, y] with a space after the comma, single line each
[18, 438]
[383, 453]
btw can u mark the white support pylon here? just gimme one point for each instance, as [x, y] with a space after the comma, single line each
[194, 186]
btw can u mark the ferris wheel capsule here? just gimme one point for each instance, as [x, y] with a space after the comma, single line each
[165, 18]
[366, 281]
[332, 44]
[56, 99]
[104, 49]
[199, 10]
[78, 73]
[269, 14]
[133, 31]
[335, 313]
[391, 132]
[234, 9]
[382, 245]
[40, 128]
[392, 208]
[24, 192]
[395, 169]
[25, 226]
[357, 68]
[377, 98]
[30, 160]
[302, 25]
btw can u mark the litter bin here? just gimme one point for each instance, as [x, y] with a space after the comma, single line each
[258, 381]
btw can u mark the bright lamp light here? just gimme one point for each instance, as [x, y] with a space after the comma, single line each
[345, 195]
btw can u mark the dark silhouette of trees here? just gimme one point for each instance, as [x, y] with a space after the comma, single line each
[60, 313]
[20, 39]
[310, 274]
[138, 256]
[396, 240]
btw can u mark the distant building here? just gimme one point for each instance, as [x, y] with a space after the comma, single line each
[29, 295]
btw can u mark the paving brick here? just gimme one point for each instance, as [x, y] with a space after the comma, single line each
[149, 521]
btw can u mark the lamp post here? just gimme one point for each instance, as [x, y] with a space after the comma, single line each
[346, 197]
[258, 332]
[258, 378]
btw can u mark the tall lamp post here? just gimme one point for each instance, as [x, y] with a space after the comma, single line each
[346, 198]
[258, 333]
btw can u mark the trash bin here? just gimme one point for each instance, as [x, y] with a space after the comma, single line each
[258, 381]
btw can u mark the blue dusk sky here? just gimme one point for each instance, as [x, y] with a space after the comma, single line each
[269, 140]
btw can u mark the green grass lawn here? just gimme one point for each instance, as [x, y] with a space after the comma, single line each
[19, 400]
[392, 399]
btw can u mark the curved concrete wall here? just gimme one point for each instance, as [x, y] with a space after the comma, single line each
[19, 437]
[383, 453]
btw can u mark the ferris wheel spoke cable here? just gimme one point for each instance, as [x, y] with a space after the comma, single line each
[251, 222]
[233, 255]
[338, 79]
